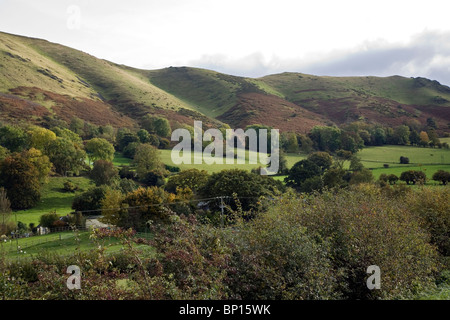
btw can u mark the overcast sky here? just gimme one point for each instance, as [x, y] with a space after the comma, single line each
[248, 37]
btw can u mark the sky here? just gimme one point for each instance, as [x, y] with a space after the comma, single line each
[251, 38]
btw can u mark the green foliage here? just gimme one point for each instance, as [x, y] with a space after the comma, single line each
[321, 159]
[326, 138]
[69, 186]
[99, 149]
[66, 156]
[300, 172]
[146, 159]
[89, 200]
[21, 180]
[48, 220]
[193, 179]
[13, 138]
[103, 172]
[41, 137]
[146, 205]
[157, 125]
[432, 207]
[442, 176]
[413, 177]
[353, 224]
[274, 258]
[249, 187]
[154, 179]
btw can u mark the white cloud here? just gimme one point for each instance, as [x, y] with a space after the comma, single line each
[248, 37]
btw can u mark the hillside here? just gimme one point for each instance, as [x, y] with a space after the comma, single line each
[39, 78]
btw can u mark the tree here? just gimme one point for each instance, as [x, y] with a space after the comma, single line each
[404, 160]
[193, 179]
[322, 159]
[67, 134]
[379, 136]
[442, 176]
[77, 126]
[146, 159]
[21, 180]
[3, 153]
[112, 207]
[124, 138]
[41, 137]
[146, 205]
[13, 138]
[247, 186]
[154, 178]
[300, 172]
[414, 137]
[401, 135]
[157, 125]
[326, 138]
[413, 177]
[48, 220]
[424, 139]
[5, 212]
[103, 172]
[289, 142]
[99, 149]
[356, 164]
[66, 156]
[89, 200]
[305, 143]
[40, 161]
[392, 178]
[361, 176]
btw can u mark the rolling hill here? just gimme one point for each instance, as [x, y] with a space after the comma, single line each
[40, 79]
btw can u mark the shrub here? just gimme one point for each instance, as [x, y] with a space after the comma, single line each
[431, 205]
[413, 177]
[48, 220]
[404, 160]
[89, 200]
[274, 258]
[69, 186]
[103, 172]
[362, 227]
[442, 176]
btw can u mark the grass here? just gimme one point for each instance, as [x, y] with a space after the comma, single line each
[375, 157]
[53, 199]
[166, 159]
[64, 243]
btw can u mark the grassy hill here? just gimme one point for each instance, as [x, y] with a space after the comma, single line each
[39, 78]
[388, 100]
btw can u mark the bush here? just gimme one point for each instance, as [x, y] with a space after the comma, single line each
[413, 177]
[69, 186]
[442, 176]
[404, 160]
[89, 200]
[362, 227]
[103, 172]
[432, 206]
[274, 258]
[48, 220]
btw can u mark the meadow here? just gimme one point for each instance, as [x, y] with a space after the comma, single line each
[54, 199]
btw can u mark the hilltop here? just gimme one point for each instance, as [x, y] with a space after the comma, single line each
[40, 79]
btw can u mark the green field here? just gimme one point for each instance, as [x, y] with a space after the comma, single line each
[63, 243]
[53, 199]
[166, 159]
